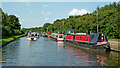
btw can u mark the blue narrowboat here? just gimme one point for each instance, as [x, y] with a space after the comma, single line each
[44, 34]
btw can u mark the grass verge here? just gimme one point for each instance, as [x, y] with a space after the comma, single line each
[8, 40]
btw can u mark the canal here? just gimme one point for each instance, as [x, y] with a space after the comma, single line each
[45, 52]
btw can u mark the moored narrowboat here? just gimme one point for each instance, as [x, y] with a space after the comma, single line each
[60, 37]
[93, 40]
[57, 37]
[44, 34]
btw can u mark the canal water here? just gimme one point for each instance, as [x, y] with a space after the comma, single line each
[45, 52]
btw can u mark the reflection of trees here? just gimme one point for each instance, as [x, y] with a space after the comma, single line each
[10, 52]
[113, 59]
[108, 59]
[0, 57]
[101, 60]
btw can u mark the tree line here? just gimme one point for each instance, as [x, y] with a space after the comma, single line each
[108, 22]
[10, 25]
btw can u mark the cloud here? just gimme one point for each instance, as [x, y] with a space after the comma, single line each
[46, 19]
[45, 13]
[78, 12]
[21, 21]
[44, 5]
[17, 15]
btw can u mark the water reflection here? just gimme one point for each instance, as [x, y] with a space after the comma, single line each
[94, 58]
[1, 57]
[60, 44]
[101, 60]
[81, 58]
[29, 43]
[9, 51]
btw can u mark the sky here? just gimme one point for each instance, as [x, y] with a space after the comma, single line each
[36, 14]
[60, 0]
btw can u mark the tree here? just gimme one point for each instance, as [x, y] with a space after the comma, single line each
[10, 24]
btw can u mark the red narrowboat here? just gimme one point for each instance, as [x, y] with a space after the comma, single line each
[93, 40]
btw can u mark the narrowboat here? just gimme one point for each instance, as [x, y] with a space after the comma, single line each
[60, 37]
[32, 36]
[57, 37]
[93, 40]
[48, 34]
[44, 34]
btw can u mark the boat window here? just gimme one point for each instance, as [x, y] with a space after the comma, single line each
[69, 31]
[85, 38]
[56, 35]
[72, 31]
[60, 36]
[99, 38]
[80, 38]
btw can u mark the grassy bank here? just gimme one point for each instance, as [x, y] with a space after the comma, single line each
[114, 44]
[8, 40]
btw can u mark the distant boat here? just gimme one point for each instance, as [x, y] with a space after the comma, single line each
[32, 36]
[57, 37]
[44, 34]
[48, 34]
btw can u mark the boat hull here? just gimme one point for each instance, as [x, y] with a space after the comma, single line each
[45, 36]
[57, 39]
[28, 38]
[60, 39]
[103, 47]
[32, 38]
[53, 38]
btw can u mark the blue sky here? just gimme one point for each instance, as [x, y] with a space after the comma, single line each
[35, 14]
[60, 0]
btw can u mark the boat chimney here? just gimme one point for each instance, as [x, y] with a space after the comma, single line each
[97, 17]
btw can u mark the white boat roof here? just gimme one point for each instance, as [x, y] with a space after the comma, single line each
[80, 33]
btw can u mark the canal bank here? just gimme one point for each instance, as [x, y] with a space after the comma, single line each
[114, 44]
[5, 41]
